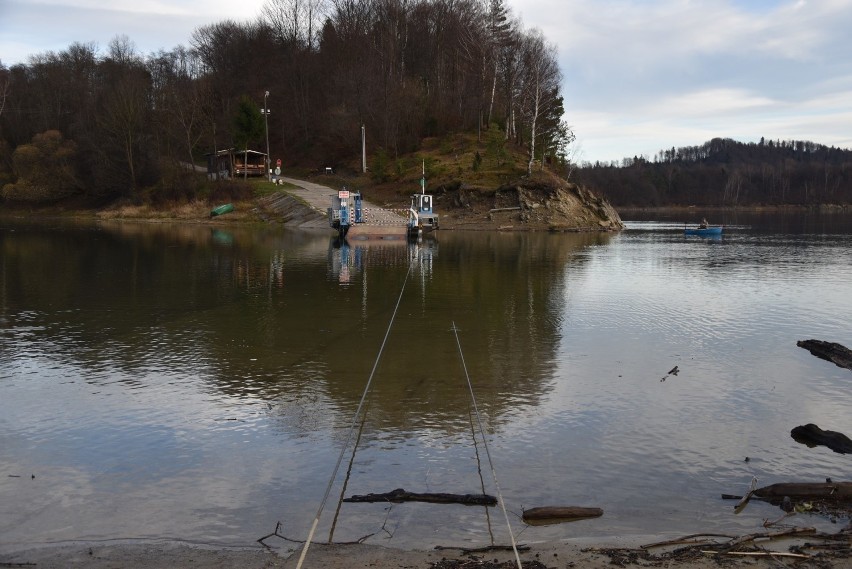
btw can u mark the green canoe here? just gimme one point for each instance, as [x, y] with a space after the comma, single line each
[222, 209]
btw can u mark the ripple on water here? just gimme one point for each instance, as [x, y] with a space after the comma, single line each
[218, 408]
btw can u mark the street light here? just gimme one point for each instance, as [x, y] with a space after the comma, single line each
[266, 128]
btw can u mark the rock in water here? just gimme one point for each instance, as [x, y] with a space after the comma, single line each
[839, 355]
[812, 436]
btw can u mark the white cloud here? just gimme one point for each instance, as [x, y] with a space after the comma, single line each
[645, 75]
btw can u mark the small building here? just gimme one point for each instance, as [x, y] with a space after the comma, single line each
[232, 163]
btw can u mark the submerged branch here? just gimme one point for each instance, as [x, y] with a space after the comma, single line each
[401, 495]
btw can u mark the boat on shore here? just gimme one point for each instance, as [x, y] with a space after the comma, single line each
[222, 210]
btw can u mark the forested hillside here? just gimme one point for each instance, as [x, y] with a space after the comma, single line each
[724, 172]
[116, 124]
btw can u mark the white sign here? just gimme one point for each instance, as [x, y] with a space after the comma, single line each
[343, 194]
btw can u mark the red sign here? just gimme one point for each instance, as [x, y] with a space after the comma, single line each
[278, 162]
[343, 194]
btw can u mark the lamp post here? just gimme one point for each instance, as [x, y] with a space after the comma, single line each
[266, 128]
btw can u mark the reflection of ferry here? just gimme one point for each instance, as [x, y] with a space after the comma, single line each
[351, 220]
[348, 258]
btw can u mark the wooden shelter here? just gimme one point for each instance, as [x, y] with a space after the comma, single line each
[232, 163]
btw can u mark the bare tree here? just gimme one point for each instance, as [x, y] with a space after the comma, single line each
[123, 51]
[511, 67]
[499, 38]
[175, 77]
[4, 86]
[123, 119]
[294, 22]
[541, 82]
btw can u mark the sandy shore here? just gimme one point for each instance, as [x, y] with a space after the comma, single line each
[162, 555]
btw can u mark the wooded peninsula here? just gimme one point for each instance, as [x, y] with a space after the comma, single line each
[461, 92]
[307, 76]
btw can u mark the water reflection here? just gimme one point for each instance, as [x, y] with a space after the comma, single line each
[346, 258]
[256, 315]
[206, 378]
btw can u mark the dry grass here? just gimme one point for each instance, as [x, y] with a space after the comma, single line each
[197, 210]
[449, 160]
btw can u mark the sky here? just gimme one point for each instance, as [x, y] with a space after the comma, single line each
[639, 76]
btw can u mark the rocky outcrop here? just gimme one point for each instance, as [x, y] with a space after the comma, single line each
[813, 436]
[540, 203]
[838, 354]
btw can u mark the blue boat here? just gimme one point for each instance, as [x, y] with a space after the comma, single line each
[709, 231]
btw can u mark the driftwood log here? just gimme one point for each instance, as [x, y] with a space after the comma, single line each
[558, 514]
[840, 491]
[828, 496]
[401, 495]
[812, 436]
[837, 354]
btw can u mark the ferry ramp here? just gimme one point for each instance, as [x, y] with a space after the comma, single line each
[289, 206]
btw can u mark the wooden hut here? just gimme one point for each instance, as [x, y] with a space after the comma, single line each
[233, 163]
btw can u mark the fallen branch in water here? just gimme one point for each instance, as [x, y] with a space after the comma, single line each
[759, 554]
[401, 495]
[742, 503]
[284, 537]
[685, 540]
[732, 542]
[768, 524]
[770, 535]
[276, 534]
[806, 490]
[466, 551]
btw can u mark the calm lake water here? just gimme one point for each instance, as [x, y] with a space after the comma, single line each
[198, 383]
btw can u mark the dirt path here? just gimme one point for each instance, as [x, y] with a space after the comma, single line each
[316, 195]
[319, 198]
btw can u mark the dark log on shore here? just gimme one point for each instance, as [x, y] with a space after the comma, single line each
[558, 514]
[812, 436]
[837, 354]
[401, 495]
[840, 491]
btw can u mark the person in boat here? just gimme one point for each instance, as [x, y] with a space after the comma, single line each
[703, 224]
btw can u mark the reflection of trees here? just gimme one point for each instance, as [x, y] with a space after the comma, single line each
[505, 294]
[258, 314]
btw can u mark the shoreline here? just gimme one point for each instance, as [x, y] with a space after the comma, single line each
[163, 554]
[789, 208]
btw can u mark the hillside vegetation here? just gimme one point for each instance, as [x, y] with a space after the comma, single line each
[724, 172]
[480, 181]
[309, 77]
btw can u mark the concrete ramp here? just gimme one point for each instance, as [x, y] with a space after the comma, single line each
[306, 206]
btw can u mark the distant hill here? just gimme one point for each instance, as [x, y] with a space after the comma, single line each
[725, 172]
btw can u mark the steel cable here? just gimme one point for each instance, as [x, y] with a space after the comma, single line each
[352, 426]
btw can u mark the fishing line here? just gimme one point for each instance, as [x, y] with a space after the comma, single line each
[487, 451]
[352, 426]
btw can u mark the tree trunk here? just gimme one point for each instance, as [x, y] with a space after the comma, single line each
[532, 128]
[806, 490]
